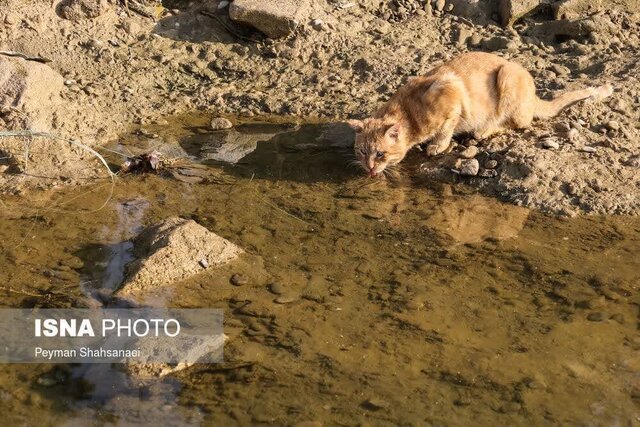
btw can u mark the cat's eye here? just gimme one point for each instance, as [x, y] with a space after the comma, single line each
[379, 154]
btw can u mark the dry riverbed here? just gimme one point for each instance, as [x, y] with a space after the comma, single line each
[118, 67]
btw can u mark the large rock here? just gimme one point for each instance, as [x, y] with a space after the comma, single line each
[512, 10]
[77, 10]
[29, 94]
[273, 18]
[173, 250]
[573, 9]
[479, 12]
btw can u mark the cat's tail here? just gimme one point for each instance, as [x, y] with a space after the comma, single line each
[546, 109]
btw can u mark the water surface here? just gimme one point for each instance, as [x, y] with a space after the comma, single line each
[412, 302]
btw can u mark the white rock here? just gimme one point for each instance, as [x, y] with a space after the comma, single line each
[550, 144]
[274, 19]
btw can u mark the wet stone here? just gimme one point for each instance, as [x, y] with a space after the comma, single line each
[285, 299]
[219, 123]
[239, 280]
[510, 407]
[618, 318]
[276, 288]
[596, 316]
[491, 164]
[375, 404]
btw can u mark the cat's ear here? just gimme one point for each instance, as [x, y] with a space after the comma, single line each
[393, 131]
[356, 125]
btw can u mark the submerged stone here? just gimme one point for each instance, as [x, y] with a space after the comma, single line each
[172, 250]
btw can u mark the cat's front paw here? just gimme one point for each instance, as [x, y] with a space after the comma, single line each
[432, 150]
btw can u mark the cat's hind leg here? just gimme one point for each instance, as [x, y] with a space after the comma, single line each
[516, 96]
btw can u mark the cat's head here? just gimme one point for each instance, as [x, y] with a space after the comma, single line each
[378, 144]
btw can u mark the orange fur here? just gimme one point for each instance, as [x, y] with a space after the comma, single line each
[477, 93]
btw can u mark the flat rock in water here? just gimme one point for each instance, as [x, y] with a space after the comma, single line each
[171, 251]
[232, 146]
[196, 350]
[274, 19]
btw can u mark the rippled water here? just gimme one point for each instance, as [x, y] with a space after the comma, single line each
[410, 302]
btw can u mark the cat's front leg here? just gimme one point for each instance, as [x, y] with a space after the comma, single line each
[441, 142]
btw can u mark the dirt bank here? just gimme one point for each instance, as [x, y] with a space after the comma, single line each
[139, 65]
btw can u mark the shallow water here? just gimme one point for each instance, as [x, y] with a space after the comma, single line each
[413, 303]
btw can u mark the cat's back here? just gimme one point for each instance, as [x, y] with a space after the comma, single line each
[471, 64]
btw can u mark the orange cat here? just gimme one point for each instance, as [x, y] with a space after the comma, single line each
[477, 93]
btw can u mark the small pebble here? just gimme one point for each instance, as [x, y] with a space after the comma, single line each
[596, 316]
[470, 167]
[491, 164]
[204, 263]
[46, 381]
[588, 149]
[238, 280]
[440, 4]
[550, 144]
[613, 125]
[375, 404]
[276, 288]
[95, 43]
[573, 135]
[219, 123]
[223, 4]
[284, 299]
[317, 24]
[488, 173]
[560, 70]
[469, 152]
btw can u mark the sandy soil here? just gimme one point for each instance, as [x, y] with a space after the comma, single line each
[124, 68]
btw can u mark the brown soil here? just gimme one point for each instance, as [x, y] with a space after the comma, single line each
[124, 68]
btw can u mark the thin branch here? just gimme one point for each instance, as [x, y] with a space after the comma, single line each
[30, 133]
[23, 56]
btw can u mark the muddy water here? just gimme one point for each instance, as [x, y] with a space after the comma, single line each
[407, 302]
